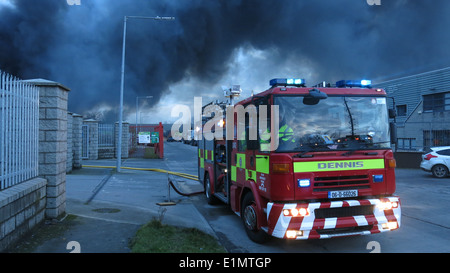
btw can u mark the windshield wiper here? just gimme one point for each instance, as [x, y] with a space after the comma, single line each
[302, 154]
[349, 152]
[312, 147]
[355, 147]
[362, 144]
[352, 124]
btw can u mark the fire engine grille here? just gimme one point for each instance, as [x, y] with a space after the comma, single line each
[334, 183]
[343, 231]
[343, 211]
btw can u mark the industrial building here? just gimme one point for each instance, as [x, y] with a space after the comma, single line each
[422, 103]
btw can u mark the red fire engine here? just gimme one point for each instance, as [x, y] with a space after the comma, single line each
[332, 172]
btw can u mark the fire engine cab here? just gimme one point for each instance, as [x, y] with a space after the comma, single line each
[309, 162]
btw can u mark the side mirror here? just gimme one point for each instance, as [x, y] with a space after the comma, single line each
[393, 130]
[314, 96]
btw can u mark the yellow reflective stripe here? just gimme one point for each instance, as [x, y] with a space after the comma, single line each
[233, 173]
[202, 163]
[340, 165]
[240, 160]
[262, 164]
[250, 174]
[209, 155]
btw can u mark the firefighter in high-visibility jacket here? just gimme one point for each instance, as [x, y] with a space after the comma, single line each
[285, 136]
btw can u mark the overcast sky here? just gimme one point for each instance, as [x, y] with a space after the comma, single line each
[214, 43]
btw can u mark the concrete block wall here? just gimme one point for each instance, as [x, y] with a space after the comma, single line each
[106, 152]
[22, 207]
[77, 121]
[69, 162]
[93, 138]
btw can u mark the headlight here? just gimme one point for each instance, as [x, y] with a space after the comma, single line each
[296, 212]
[390, 225]
[387, 205]
[292, 234]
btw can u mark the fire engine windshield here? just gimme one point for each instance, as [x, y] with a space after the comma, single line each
[334, 123]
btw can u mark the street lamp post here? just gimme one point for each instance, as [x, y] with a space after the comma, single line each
[125, 19]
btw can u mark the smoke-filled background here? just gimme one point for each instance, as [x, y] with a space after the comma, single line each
[213, 43]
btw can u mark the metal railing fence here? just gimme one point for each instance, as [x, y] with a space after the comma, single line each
[84, 142]
[19, 135]
[106, 135]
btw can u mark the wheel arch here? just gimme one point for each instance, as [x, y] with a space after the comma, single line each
[252, 188]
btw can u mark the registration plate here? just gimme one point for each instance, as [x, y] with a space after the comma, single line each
[342, 194]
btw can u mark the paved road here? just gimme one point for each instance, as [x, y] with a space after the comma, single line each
[425, 217]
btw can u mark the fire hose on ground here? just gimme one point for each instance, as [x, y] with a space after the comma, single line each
[170, 183]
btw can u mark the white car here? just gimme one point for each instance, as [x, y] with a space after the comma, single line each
[437, 161]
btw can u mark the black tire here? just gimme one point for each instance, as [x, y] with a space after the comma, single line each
[439, 171]
[250, 218]
[209, 196]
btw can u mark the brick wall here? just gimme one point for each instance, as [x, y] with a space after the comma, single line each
[21, 208]
[77, 121]
[69, 162]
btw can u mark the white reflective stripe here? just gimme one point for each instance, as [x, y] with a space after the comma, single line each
[379, 215]
[353, 203]
[336, 204]
[290, 206]
[361, 220]
[269, 208]
[305, 235]
[330, 223]
[308, 221]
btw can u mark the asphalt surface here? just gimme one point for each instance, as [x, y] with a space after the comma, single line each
[106, 207]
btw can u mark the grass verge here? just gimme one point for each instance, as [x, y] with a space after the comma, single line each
[155, 237]
[149, 153]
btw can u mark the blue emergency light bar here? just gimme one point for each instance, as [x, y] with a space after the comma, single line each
[286, 82]
[361, 83]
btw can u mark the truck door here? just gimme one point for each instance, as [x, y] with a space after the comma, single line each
[201, 159]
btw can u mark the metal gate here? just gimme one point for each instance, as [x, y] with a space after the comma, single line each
[147, 150]
[84, 142]
[106, 135]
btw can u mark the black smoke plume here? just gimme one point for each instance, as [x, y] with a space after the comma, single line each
[80, 46]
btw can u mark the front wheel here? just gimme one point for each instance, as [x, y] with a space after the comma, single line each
[209, 196]
[249, 217]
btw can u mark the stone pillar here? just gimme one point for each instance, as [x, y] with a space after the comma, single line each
[69, 162]
[77, 121]
[93, 138]
[53, 98]
[125, 138]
